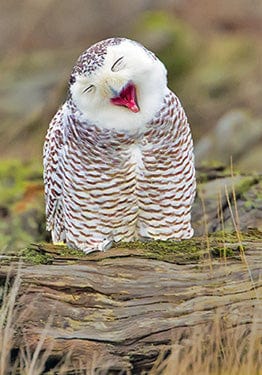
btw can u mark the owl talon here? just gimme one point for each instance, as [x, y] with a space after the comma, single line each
[105, 245]
[96, 245]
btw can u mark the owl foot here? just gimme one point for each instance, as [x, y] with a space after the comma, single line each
[106, 244]
[96, 245]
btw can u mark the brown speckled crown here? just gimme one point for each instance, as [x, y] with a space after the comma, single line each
[93, 57]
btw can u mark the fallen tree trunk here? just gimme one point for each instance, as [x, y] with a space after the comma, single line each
[122, 308]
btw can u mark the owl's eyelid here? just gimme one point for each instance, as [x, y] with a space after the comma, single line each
[116, 63]
[88, 88]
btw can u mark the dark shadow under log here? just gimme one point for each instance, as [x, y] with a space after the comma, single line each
[122, 308]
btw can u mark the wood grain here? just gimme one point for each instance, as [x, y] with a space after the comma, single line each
[121, 308]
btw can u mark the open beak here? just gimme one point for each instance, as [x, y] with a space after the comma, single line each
[127, 98]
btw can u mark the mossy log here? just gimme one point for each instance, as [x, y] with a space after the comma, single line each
[123, 307]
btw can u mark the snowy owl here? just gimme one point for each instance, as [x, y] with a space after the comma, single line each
[118, 155]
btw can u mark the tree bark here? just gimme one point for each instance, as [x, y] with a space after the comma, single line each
[120, 309]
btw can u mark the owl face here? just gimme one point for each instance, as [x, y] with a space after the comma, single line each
[123, 89]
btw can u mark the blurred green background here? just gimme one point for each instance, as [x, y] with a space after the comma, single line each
[213, 53]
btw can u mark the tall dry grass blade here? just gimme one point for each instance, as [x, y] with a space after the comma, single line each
[7, 318]
[35, 364]
[239, 237]
[206, 231]
[214, 349]
[159, 364]
[237, 219]
[222, 223]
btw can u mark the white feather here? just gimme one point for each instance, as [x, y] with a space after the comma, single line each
[147, 74]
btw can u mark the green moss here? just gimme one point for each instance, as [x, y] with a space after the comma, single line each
[207, 171]
[13, 236]
[15, 177]
[252, 234]
[220, 252]
[165, 250]
[184, 251]
[58, 251]
[35, 257]
[245, 184]
[68, 252]
[216, 245]
[22, 204]
[249, 205]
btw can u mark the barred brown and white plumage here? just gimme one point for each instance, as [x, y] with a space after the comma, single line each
[118, 156]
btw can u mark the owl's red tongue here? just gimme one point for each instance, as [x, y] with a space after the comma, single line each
[127, 98]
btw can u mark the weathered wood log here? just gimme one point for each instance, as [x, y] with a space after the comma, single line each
[123, 307]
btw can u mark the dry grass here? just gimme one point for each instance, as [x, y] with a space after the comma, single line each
[211, 349]
[26, 362]
[215, 350]
[7, 318]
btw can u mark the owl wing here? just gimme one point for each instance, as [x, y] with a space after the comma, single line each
[183, 168]
[166, 188]
[182, 149]
[53, 176]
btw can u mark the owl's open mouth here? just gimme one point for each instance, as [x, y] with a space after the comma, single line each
[127, 98]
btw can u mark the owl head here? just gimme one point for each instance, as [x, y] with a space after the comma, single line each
[118, 84]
